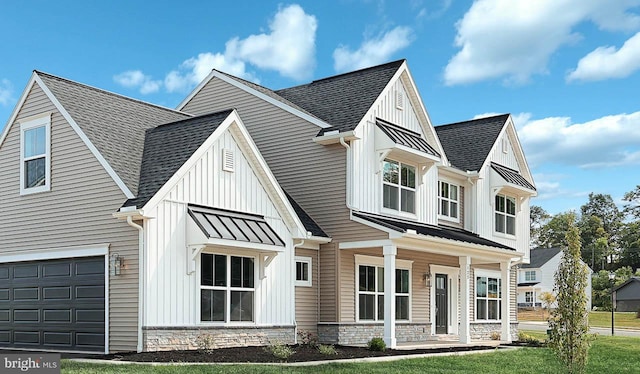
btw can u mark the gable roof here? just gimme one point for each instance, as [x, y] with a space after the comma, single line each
[467, 144]
[342, 100]
[627, 282]
[308, 222]
[114, 124]
[167, 147]
[540, 256]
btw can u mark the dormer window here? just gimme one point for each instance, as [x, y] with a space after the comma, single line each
[530, 275]
[448, 201]
[399, 186]
[505, 214]
[35, 158]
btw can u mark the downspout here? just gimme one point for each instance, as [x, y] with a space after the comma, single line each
[295, 322]
[140, 278]
[348, 197]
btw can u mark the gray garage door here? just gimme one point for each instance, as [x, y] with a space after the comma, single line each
[53, 304]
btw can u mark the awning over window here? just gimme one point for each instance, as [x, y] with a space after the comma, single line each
[512, 176]
[231, 225]
[405, 137]
[526, 284]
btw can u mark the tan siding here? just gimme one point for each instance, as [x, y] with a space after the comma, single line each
[328, 282]
[324, 167]
[76, 212]
[307, 301]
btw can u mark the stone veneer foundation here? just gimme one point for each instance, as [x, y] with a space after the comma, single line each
[183, 338]
[483, 331]
[361, 333]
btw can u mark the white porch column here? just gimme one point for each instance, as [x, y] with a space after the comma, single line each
[465, 303]
[505, 273]
[390, 252]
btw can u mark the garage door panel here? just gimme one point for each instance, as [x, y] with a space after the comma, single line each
[53, 304]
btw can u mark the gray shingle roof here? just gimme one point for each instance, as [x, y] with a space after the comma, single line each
[540, 256]
[308, 222]
[467, 144]
[168, 147]
[512, 176]
[406, 137]
[342, 100]
[114, 124]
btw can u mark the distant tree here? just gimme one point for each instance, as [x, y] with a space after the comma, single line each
[603, 207]
[538, 218]
[553, 234]
[633, 207]
[601, 285]
[569, 323]
[594, 240]
[630, 245]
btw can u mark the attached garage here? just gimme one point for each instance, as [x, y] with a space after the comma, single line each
[54, 304]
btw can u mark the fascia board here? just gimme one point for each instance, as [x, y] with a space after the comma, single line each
[17, 108]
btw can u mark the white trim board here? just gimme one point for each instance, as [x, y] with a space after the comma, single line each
[50, 254]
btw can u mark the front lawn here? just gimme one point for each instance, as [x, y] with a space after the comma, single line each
[608, 354]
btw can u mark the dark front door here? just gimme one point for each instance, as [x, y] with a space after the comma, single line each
[442, 302]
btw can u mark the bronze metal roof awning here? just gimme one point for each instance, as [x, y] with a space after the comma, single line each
[406, 137]
[512, 176]
[232, 225]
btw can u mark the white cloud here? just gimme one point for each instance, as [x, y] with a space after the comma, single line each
[137, 79]
[6, 92]
[288, 48]
[514, 39]
[609, 62]
[603, 142]
[372, 51]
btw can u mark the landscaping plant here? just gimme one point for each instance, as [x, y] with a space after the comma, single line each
[377, 344]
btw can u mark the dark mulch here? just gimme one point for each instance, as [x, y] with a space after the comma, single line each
[303, 353]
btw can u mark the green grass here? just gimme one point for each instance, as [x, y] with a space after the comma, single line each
[622, 319]
[607, 355]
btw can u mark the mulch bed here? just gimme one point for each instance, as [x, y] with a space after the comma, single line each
[303, 353]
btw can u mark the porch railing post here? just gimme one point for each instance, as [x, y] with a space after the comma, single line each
[390, 252]
[505, 273]
[465, 270]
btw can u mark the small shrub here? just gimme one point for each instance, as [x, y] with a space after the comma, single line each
[377, 344]
[306, 337]
[280, 350]
[327, 349]
[495, 335]
[205, 342]
[528, 339]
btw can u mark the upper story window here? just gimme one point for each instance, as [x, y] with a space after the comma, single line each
[505, 214]
[399, 186]
[448, 200]
[35, 155]
[529, 275]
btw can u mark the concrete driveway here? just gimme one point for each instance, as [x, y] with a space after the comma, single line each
[542, 326]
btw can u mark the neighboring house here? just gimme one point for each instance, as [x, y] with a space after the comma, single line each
[128, 226]
[538, 276]
[627, 295]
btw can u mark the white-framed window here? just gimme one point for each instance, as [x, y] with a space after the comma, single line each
[227, 288]
[303, 271]
[505, 145]
[399, 186]
[529, 275]
[35, 155]
[505, 214]
[528, 297]
[488, 296]
[370, 289]
[448, 201]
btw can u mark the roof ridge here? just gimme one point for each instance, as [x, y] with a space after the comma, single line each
[194, 118]
[242, 79]
[473, 120]
[38, 72]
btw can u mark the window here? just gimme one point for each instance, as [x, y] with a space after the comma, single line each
[505, 145]
[448, 200]
[303, 271]
[370, 293]
[35, 161]
[399, 186]
[528, 297]
[505, 214]
[488, 298]
[226, 288]
[529, 275]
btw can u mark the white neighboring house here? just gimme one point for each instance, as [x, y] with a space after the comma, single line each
[538, 277]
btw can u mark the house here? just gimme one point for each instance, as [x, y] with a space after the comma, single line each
[538, 276]
[249, 214]
[627, 295]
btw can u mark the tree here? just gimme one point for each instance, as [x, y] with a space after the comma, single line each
[553, 234]
[569, 320]
[538, 218]
[603, 207]
[630, 245]
[633, 197]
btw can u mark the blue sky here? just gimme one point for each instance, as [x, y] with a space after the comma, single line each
[568, 70]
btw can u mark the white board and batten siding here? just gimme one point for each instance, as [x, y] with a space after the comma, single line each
[76, 212]
[367, 166]
[172, 296]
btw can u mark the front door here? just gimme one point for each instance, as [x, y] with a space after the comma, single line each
[442, 302]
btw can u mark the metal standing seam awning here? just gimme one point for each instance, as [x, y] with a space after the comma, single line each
[512, 176]
[221, 227]
[394, 135]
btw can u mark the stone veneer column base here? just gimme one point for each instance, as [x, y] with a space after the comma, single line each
[483, 331]
[361, 333]
[184, 338]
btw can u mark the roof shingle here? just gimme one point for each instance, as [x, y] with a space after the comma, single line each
[539, 256]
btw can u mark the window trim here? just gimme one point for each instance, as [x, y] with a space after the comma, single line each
[526, 297]
[28, 124]
[529, 279]
[228, 289]
[399, 211]
[303, 283]
[487, 274]
[505, 214]
[449, 200]
[364, 260]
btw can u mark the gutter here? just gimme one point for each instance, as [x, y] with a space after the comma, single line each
[349, 177]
